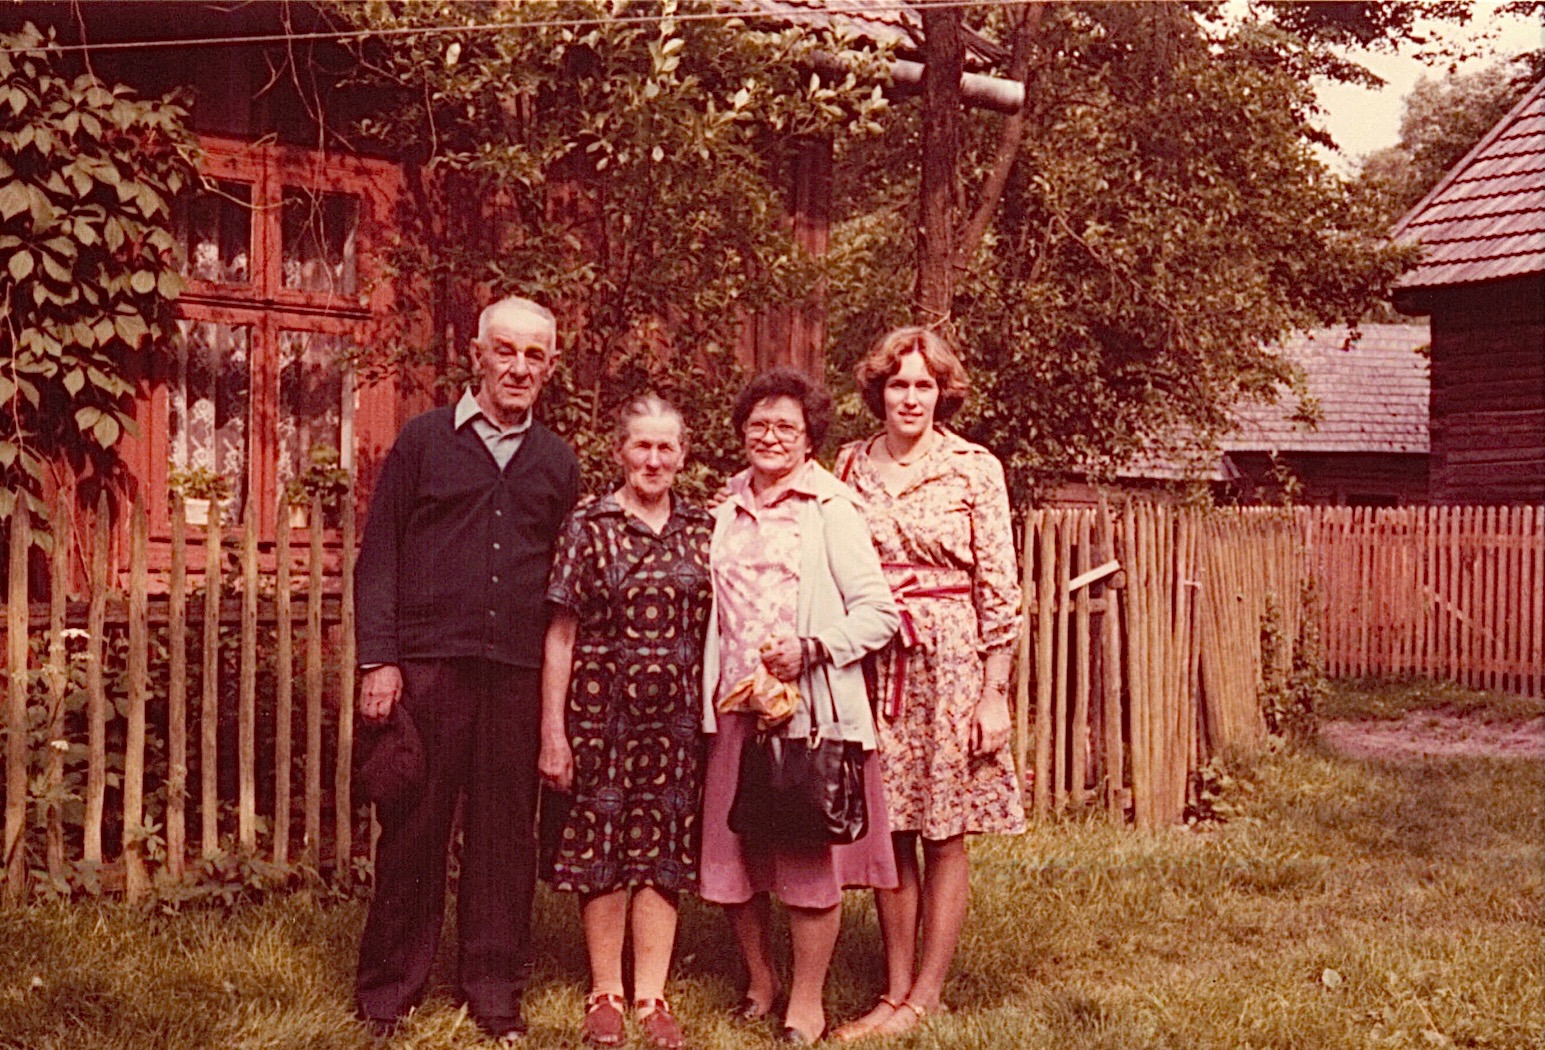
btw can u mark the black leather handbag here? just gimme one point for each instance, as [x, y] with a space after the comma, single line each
[800, 792]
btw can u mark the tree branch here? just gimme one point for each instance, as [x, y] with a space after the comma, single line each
[970, 235]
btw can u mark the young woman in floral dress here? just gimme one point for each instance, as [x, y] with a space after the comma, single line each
[938, 513]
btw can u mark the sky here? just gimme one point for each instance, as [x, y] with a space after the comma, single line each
[1363, 120]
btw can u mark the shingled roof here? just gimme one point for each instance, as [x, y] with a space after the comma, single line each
[1372, 396]
[1486, 219]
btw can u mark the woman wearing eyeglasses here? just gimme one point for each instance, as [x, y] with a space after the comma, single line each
[798, 589]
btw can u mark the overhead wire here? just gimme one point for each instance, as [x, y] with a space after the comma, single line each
[360, 35]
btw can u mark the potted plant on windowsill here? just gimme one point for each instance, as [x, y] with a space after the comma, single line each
[198, 486]
[324, 477]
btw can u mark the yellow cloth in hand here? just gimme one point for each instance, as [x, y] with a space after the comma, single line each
[764, 695]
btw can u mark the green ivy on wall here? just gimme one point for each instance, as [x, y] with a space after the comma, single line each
[88, 266]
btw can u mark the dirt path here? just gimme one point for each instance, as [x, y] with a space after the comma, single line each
[1436, 734]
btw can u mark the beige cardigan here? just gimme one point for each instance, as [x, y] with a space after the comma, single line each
[843, 600]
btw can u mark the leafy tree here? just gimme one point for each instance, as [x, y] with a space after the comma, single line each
[630, 173]
[87, 172]
[1442, 120]
[1127, 258]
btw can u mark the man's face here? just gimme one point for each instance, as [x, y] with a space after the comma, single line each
[512, 363]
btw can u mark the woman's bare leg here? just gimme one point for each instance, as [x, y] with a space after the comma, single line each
[945, 899]
[750, 922]
[897, 910]
[605, 918]
[654, 937]
[813, 932]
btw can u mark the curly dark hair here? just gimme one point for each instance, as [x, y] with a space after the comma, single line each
[783, 381]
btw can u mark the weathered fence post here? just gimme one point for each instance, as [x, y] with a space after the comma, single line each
[209, 709]
[284, 673]
[136, 879]
[15, 852]
[58, 685]
[96, 691]
[343, 801]
[177, 696]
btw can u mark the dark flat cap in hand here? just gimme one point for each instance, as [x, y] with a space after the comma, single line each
[388, 759]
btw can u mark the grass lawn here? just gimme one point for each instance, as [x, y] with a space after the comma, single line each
[1357, 904]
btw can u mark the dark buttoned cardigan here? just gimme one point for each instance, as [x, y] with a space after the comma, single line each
[456, 551]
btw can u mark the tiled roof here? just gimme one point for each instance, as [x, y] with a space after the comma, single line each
[884, 21]
[1486, 219]
[1372, 397]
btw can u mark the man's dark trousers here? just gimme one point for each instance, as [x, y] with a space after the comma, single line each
[479, 721]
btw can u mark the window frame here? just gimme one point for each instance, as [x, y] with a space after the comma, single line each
[269, 308]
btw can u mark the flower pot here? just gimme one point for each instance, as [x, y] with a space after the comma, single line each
[300, 516]
[195, 510]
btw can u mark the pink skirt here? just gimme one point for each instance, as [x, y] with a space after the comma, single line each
[814, 878]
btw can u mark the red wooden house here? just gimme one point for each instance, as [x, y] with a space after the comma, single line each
[284, 248]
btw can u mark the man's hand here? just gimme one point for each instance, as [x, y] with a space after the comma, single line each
[782, 656]
[379, 692]
[990, 724]
[555, 763]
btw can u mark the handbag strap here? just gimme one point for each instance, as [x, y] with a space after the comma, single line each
[831, 695]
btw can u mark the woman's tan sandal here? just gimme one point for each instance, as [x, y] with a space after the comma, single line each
[660, 1028]
[865, 1026]
[605, 1023]
[915, 1016]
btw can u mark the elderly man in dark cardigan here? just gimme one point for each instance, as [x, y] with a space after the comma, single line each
[450, 619]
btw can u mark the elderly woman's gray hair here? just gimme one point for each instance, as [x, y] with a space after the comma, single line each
[646, 406]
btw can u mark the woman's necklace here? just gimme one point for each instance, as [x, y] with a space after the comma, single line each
[919, 450]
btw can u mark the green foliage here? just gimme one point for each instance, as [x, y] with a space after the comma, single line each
[1166, 222]
[87, 173]
[226, 877]
[324, 478]
[197, 482]
[1443, 119]
[629, 174]
[1293, 689]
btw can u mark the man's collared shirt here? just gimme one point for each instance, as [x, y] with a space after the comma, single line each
[501, 444]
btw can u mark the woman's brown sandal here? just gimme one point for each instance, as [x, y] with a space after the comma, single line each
[660, 1028]
[858, 1028]
[605, 1024]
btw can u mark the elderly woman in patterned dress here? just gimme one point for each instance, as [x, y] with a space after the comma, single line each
[621, 705]
[938, 513]
[797, 588]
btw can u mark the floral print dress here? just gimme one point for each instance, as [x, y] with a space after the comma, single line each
[635, 699]
[947, 546]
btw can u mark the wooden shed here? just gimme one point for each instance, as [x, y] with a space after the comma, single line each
[1366, 441]
[1481, 280]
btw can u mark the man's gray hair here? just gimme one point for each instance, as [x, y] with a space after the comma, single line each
[516, 305]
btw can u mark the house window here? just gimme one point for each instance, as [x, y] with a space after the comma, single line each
[209, 401]
[319, 241]
[213, 228]
[276, 246]
[316, 399]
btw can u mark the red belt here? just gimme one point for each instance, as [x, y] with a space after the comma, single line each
[907, 588]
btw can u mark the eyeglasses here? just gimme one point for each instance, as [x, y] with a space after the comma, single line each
[784, 432]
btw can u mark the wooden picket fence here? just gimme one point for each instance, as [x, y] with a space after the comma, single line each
[1452, 593]
[1141, 655]
[1140, 660]
[282, 601]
